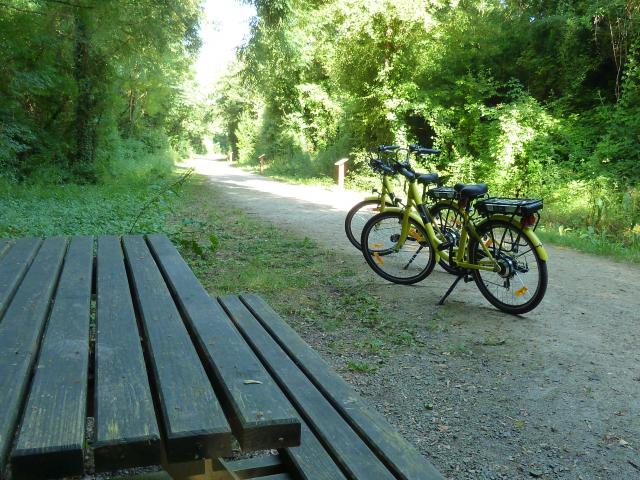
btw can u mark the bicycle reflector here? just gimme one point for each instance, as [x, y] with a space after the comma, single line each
[529, 221]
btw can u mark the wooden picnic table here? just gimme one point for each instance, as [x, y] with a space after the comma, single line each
[119, 330]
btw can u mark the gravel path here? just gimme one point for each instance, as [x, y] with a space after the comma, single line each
[554, 394]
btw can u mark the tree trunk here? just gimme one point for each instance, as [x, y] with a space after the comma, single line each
[132, 111]
[83, 161]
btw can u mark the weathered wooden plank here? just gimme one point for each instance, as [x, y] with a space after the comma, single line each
[346, 447]
[127, 432]
[51, 438]
[254, 467]
[13, 265]
[194, 422]
[20, 331]
[311, 460]
[400, 456]
[262, 417]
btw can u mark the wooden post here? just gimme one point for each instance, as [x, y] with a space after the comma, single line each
[261, 158]
[342, 170]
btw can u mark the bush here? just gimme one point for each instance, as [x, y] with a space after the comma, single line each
[135, 160]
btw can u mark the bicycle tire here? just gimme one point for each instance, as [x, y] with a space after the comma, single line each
[449, 225]
[356, 219]
[506, 248]
[416, 257]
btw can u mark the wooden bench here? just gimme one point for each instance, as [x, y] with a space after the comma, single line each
[121, 331]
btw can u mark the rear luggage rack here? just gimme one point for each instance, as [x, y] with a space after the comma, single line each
[513, 206]
[442, 192]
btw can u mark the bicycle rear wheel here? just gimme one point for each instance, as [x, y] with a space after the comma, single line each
[521, 283]
[406, 264]
[357, 217]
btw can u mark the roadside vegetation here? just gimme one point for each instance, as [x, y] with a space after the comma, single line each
[231, 251]
[535, 98]
[48, 210]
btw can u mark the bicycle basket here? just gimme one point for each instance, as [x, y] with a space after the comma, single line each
[513, 206]
[442, 192]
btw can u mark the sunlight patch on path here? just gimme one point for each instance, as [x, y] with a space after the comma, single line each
[223, 172]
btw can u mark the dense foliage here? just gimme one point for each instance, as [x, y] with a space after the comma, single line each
[92, 88]
[535, 97]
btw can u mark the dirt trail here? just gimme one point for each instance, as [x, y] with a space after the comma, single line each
[553, 394]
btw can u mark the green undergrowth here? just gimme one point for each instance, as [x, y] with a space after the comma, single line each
[47, 210]
[590, 243]
[233, 252]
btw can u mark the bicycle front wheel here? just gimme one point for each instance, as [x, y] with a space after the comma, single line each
[357, 217]
[521, 282]
[406, 264]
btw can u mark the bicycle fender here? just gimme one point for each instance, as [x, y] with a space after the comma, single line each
[528, 231]
[536, 243]
[376, 198]
[449, 203]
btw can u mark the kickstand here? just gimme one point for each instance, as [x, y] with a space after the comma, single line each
[453, 285]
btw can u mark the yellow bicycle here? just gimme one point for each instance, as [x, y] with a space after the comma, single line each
[383, 164]
[500, 252]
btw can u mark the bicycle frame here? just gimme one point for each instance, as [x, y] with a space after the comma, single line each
[386, 196]
[461, 259]
[417, 210]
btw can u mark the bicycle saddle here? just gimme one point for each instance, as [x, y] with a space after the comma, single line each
[427, 178]
[471, 190]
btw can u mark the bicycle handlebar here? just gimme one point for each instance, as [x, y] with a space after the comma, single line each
[406, 172]
[403, 168]
[429, 151]
[388, 148]
[381, 167]
[415, 148]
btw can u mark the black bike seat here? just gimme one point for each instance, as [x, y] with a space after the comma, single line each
[474, 190]
[427, 178]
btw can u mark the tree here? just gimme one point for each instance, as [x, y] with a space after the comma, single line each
[85, 80]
